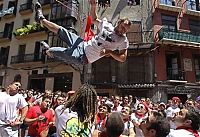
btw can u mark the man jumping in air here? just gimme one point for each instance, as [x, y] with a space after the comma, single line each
[108, 40]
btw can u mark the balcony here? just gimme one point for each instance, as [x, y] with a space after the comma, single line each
[10, 12]
[169, 5]
[45, 3]
[192, 9]
[26, 8]
[174, 37]
[24, 58]
[175, 74]
[4, 37]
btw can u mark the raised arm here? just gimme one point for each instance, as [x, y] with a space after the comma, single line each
[93, 13]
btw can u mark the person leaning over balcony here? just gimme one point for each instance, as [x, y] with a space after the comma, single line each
[80, 52]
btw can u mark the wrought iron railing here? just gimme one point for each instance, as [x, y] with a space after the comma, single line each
[26, 6]
[23, 58]
[179, 36]
[45, 2]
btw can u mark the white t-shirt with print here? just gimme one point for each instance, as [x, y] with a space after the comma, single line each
[67, 123]
[106, 39]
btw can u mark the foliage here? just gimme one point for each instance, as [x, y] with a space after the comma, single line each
[31, 28]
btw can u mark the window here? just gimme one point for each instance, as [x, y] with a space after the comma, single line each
[1, 81]
[194, 27]
[102, 70]
[197, 68]
[169, 22]
[1, 8]
[34, 71]
[135, 33]
[63, 82]
[8, 30]
[13, 4]
[4, 55]
[168, 2]
[136, 69]
[192, 4]
[174, 71]
[26, 22]
[21, 53]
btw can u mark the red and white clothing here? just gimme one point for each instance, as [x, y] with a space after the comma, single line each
[37, 127]
[181, 133]
[138, 119]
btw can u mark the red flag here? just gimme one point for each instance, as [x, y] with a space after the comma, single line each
[88, 31]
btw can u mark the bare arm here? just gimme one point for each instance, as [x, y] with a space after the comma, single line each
[93, 13]
[24, 112]
[120, 56]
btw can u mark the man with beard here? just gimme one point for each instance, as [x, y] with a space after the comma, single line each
[187, 122]
[10, 102]
[39, 118]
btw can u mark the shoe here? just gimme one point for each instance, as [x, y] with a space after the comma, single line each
[45, 46]
[38, 12]
[45, 49]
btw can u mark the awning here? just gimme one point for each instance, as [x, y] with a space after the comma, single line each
[147, 85]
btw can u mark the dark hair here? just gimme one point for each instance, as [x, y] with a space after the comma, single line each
[161, 126]
[46, 97]
[194, 117]
[123, 20]
[83, 101]
[114, 125]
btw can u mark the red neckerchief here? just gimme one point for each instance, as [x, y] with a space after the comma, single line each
[98, 120]
[194, 132]
[139, 115]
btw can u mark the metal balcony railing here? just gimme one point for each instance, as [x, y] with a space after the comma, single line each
[3, 35]
[26, 58]
[26, 6]
[175, 74]
[178, 36]
[45, 2]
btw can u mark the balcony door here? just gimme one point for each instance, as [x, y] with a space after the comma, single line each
[169, 22]
[21, 53]
[8, 30]
[173, 67]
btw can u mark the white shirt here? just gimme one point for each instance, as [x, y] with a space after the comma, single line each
[67, 122]
[9, 106]
[180, 133]
[106, 39]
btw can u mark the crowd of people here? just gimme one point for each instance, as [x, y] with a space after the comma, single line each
[82, 113]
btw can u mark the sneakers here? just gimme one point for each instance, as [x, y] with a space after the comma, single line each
[45, 46]
[45, 49]
[38, 12]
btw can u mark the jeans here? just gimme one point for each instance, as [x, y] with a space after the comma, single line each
[74, 54]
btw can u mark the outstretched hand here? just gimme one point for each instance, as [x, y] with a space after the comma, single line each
[105, 52]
